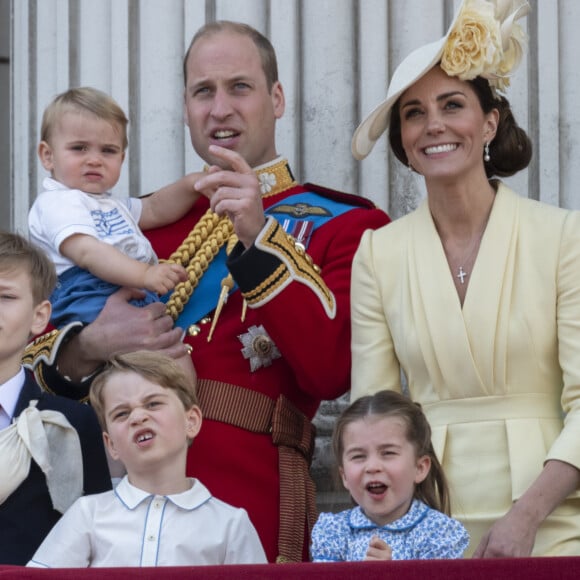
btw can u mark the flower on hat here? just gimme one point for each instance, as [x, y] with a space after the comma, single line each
[486, 41]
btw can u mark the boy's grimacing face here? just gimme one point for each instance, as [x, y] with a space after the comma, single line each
[147, 424]
[20, 317]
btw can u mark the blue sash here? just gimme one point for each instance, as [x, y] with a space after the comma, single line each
[290, 212]
[206, 294]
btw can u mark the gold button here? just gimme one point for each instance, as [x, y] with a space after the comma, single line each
[193, 330]
[205, 320]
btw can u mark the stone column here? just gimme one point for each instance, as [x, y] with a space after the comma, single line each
[331, 495]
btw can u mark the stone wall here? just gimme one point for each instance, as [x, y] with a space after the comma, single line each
[331, 495]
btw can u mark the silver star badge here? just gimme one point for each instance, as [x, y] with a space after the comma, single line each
[258, 347]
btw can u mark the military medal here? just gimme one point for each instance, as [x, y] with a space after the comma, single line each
[258, 347]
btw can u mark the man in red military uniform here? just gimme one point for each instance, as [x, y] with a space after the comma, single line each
[266, 307]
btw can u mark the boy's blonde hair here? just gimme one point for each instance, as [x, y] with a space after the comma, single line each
[17, 253]
[84, 99]
[156, 368]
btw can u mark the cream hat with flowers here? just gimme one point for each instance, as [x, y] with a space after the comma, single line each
[483, 40]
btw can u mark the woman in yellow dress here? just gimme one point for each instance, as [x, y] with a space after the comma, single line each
[474, 297]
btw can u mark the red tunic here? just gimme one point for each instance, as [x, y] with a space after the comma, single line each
[306, 315]
[236, 465]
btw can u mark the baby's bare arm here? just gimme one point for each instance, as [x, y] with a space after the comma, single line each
[109, 264]
[169, 203]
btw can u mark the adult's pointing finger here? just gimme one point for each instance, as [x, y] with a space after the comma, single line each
[232, 158]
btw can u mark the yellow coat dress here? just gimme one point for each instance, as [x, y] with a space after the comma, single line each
[499, 379]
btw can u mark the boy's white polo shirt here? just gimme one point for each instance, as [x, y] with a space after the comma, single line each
[130, 527]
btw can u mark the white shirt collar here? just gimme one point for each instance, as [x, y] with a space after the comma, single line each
[269, 163]
[9, 393]
[50, 184]
[190, 499]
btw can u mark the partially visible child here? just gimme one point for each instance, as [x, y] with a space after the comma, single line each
[382, 444]
[51, 449]
[95, 239]
[156, 516]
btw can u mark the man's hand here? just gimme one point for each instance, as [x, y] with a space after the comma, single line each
[119, 328]
[235, 193]
[378, 550]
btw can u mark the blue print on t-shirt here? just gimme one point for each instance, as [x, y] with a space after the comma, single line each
[111, 223]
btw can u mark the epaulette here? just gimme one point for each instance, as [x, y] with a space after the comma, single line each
[44, 349]
[343, 197]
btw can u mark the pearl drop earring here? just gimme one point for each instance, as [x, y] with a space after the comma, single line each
[486, 156]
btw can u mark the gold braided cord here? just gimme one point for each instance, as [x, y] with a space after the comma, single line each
[231, 243]
[211, 232]
[182, 255]
[196, 254]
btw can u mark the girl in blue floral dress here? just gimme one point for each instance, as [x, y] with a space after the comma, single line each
[382, 444]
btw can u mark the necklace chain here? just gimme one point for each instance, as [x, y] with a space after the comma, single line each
[461, 273]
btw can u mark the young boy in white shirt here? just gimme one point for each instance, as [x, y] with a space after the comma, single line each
[156, 516]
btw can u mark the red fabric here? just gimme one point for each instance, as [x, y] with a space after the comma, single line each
[239, 467]
[515, 569]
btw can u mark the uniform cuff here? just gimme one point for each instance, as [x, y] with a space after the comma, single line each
[272, 263]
